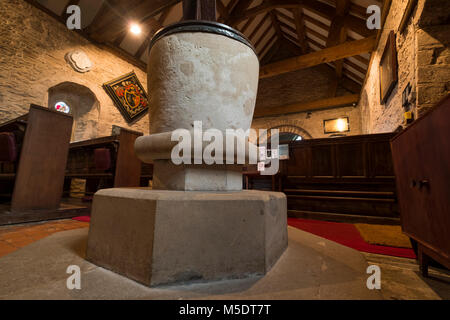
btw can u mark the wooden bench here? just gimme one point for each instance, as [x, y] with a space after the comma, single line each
[106, 162]
[32, 174]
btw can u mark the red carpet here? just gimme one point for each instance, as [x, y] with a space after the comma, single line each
[82, 219]
[343, 233]
[347, 235]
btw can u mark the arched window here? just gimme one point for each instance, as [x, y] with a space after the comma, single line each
[287, 133]
[80, 102]
[286, 137]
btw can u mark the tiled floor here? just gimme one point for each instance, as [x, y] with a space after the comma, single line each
[17, 236]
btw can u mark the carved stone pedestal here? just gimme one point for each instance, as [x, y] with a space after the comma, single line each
[159, 237]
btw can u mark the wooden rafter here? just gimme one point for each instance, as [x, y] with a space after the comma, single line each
[348, 62]
[287, 27]
[247, 24]
[115, 50]
[338, 35]
[140, 13]
[328, 103]
[262, 36]
[348, 49]
[159, 24]
[199, 10]
[240, 7]
[282, 36]
[257, 27]
[270, 52]
[285, 16]
[108, 14]
[223, 12]
[300, 28]
[266, 48]
[324, 10]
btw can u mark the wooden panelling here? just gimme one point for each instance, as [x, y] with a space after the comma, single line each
[322, 159]
[344, 179]
[421, 156]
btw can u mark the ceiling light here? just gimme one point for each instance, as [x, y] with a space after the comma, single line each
[135, 29]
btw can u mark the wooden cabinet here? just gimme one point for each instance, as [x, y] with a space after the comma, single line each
[421, 156]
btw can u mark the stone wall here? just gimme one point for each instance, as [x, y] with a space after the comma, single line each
[32, 50]
[423, 61]
[433, 54]
[310, 124]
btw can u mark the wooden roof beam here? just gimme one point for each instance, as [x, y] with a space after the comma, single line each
[247, 24]
[347, 49]
[140, 13]
[222, 11]
[338, 35]
[300, 27]
[328, 103]
[257, 27]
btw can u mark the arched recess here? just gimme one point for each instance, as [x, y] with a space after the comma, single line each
[84, 107]
[287, 129]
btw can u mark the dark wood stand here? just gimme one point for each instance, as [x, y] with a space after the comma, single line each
[38, 177]
[421, 156]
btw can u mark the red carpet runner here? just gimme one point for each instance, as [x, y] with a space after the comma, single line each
[347, 235]
[342, 233]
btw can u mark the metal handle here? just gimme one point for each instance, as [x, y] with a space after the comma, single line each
[424, 183]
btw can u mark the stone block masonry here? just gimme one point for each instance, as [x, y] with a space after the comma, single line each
[423, 58]
[33, 46]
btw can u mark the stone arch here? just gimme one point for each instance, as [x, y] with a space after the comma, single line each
[292, 129]
[84, 107]
[287, 126]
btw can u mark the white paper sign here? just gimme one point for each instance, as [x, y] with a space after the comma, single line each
[274, 153]
[261, 166]
[262, 153]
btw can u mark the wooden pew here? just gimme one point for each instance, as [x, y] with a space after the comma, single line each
[338, 179]
[32, 183]
[105, 162]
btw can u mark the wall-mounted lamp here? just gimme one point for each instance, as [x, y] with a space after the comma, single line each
[336, 125]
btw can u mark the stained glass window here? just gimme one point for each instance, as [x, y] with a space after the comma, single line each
[62, 107]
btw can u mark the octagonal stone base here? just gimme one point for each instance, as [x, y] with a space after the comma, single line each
[194, 177]
[159, 237]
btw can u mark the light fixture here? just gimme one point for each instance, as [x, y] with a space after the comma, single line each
[341, 125]
[135, 29]
[336, 125]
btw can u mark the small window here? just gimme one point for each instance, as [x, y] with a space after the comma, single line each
[62, 107]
